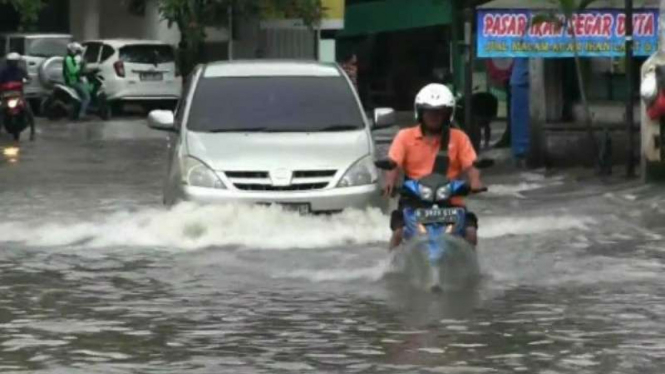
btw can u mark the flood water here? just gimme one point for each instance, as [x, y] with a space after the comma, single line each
[96, 276]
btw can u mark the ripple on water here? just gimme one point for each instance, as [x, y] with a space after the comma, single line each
[101, 356]
[21, 342]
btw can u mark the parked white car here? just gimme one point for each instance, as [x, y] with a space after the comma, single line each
[138, 71]
[262, 132]
[34, 49]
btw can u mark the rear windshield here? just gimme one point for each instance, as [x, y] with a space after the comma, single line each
[47, 47]
[274, 104]
[147, 54]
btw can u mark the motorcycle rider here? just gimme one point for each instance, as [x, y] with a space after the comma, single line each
[415, 152]
[72, 71]
[13, 72]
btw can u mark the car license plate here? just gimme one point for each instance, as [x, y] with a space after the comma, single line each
[301, 208]
[448, 216]
[152, 77]
[298, 208]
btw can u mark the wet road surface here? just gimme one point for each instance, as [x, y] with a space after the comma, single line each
[97, 277]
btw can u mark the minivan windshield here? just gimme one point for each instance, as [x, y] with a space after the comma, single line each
[47, 47]
[274, 104]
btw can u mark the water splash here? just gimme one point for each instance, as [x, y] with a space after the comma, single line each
[191, 227]
[495, 227]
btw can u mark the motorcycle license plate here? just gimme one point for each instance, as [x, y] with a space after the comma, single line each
[152, 77]
[448, 216]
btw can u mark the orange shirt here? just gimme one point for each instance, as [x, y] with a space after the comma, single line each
[416, 154]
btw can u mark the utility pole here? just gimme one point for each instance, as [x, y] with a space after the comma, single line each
[471, 125]
[230, 31]
[630, 166]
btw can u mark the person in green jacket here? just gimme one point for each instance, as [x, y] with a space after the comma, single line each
[72, 71]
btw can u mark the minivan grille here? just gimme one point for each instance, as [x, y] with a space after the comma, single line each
[302, 180]
[247, 174]
[294, 187]
[314, 173]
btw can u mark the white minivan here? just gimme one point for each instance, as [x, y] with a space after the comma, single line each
[272, 132]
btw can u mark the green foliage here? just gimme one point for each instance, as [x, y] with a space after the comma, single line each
[28, 10]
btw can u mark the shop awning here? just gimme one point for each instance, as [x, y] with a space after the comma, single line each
[393, 15]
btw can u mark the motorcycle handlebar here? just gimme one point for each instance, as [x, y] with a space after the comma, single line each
[386, 164]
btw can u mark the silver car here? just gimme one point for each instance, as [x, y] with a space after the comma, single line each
[35, 49]
[287, 133]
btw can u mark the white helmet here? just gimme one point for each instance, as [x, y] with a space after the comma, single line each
[13, 56]
[649, 87]
[434, 96]
[74, 48]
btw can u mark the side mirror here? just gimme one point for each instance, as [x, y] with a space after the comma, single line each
[383, 118]
[162, 120]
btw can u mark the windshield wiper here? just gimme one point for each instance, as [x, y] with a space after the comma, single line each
[338, 128]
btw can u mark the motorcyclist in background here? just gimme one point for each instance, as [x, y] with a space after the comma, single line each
[13, 72]
[72, 71]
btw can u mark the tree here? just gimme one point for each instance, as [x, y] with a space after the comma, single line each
[28, 10]
[193, 16]
[568, 8]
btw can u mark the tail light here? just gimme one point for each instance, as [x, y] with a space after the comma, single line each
[119, 67]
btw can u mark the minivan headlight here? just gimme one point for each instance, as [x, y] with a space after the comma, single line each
[197, 174]
[361, 173]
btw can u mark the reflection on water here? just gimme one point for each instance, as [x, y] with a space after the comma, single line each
[97, 277]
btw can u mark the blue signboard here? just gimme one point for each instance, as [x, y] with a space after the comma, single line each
[512, 33]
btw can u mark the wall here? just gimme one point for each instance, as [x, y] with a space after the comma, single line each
[289, 43]
[117, 22]
[84, 19]
[106, 19]
[93, 19]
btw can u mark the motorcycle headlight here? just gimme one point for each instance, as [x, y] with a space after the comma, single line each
[443, 193]
[12, 103]
[197, 174]
[361, 173]
[426, 193]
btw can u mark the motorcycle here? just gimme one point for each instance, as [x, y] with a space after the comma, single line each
[434, 252]
[65, 101]
[15, 116]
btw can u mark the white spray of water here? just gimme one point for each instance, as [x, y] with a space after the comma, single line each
[191, 227]
[495, 227]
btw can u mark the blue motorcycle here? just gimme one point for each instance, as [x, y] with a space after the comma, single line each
[434, 252]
